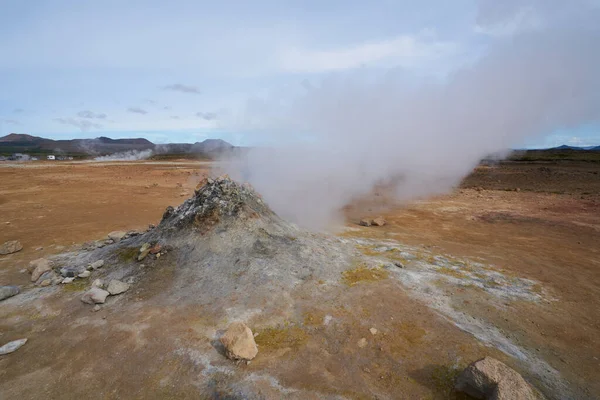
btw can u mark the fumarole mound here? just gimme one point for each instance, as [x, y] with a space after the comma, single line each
[224, 246]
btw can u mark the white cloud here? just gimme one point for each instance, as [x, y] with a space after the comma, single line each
[524, 19]
[137, 110]
[91, 115]
[405, 51]
[178, 87]
[82, 124]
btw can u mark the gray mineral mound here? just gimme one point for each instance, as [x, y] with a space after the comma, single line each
[225, 246]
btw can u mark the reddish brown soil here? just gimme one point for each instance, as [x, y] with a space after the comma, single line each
[127, 349]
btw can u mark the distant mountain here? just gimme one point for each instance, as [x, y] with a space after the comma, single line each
[211, 146]
[567, 147]
[23, 143]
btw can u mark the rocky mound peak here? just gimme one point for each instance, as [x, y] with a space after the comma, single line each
[216, 201]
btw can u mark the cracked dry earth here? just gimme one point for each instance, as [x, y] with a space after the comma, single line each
[509, 274]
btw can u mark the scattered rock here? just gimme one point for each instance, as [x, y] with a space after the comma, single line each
[116, 236]
[39, 249]
[379, 221]
[38, 267]
[94, 296]
[71, 272]
[96, 308]
[68, 280]
[239, 342]
[85, 274]
[365, 222]
[398, 264]
[47, 278]
[156, 249]
[373, 331]
[109, 241]
[8, 291]
[144, 251]
[489, 378]
[12, 346]
[98, 283]
[117, 287]
[97, 264]
[100, 244]
[133, 233]
[10, 247]
[362, 343]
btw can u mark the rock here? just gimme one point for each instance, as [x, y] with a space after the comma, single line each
[365, 222]
[100, 244]
[8, 291]
[12, 346]
[46, 282]
[35, 263]
[49, 276]
[96, 308]
[94, 296]
[156, 249]
[117, 287]
[362, 343]
[133, 233]
[85, 274]
[38, 267]
[97, 264]
[68, 280]
[39, 249]
[71, 272]
[143, 254]
[398, 264]
[116, 236]
[12, 246]
[239, 343]
[489, 378]
[98, 283]
[379, 221]
[373, 331]
[109, 241]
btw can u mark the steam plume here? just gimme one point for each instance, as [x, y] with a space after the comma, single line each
[421, 137]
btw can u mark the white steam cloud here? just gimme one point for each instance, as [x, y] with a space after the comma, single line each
[423, 138]
[131, 155]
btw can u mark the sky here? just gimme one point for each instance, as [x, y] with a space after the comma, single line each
[184, 71]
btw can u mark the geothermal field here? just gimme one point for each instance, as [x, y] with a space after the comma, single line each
[166, 279]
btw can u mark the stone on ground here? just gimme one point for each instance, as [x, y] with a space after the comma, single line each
[239, 342]
[116, 236]
[97, 264]
[365, 222]
[8, 291]
[379, 221]
[38, 267]
[12, 346]
[362, 343]
[117, 287]
[85, 274]
[489, 378]
[10, 247]
[94, 296]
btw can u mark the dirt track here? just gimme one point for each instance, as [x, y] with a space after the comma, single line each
[537, 233]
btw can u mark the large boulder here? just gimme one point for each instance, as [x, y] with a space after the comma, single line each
[10, 247]
[239, 343]
[8, 291]
[491, 379]
[95, 296]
